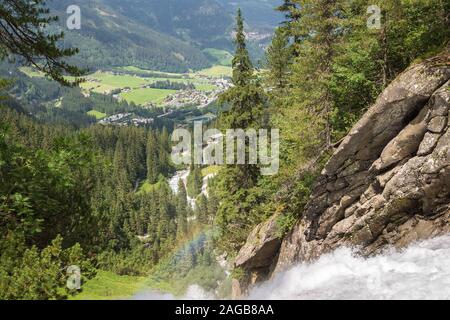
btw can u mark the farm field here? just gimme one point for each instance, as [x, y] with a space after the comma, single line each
[216, 71]
[134, 87]
[143, 96]
[118, 81]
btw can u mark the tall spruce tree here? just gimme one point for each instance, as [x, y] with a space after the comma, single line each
[324, 21]
[246, 101]
[279, 58]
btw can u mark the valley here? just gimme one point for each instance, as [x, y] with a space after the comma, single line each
[95, 115]
[152, 90]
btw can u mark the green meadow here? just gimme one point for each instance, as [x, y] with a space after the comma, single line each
[119, 81]
[217, 71]
[143, 96]
[105, 82]
[110, 286]
[97, 114]
[223, 58]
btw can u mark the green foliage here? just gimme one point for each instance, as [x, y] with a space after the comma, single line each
[158, 155]
[40, 197]
[41, 274]
[194, 182]
[237, 273]
[279, 58]
[22, 33]
[285, 223]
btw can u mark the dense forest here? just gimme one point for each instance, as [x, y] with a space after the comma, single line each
[70, 197]
[71, 191]
[326, 65]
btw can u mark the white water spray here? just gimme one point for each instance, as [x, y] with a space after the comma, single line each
[194, 292]
[421, 271]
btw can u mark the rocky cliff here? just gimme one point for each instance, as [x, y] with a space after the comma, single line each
[387, 183]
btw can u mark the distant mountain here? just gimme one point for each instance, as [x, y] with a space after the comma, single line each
[208, 23]
[204, 22]
[108, 39]
[162, 35]
[259, 14]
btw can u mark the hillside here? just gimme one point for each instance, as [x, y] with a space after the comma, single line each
[180, 167]
[165, 36]
[109, 39]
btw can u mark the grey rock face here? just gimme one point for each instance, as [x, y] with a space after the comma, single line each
[387, 184]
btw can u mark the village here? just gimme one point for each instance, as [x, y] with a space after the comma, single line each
[189, 96]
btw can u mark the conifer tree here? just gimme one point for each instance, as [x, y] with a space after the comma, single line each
[323, 20]
[246, 101]
[22, 32]
[292, 14]
[152, 159]
[279, 58]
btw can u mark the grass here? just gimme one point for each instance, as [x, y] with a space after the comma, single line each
[97, 114]
[145, 95]
[224, 58]
[210, 170]
[217, 71]
[96, 87]
[110, 286]
[148, 187]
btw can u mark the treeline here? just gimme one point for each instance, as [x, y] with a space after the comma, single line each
[325, 67]
[167, 84]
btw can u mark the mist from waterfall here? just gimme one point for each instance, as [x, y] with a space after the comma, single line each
[421, 271]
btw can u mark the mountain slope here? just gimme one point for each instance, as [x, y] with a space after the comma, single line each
[162, 35]
[109, 39]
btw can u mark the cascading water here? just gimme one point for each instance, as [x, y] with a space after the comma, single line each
[421, 271]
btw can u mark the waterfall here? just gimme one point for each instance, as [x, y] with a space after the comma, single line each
[421, 271]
